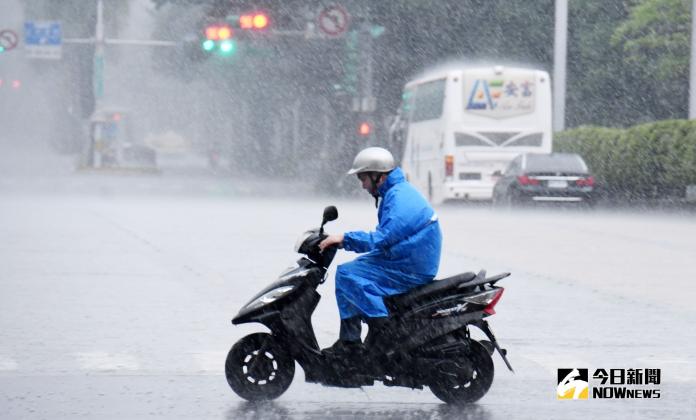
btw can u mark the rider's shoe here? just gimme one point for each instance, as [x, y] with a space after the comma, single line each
[346, 358]
[345, 348]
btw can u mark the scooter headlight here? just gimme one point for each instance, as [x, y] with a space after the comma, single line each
[292, 274]
[302, 239]
[269, 297]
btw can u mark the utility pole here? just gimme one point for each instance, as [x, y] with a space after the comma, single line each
[559, 64]
[364, 103]
[366, 62]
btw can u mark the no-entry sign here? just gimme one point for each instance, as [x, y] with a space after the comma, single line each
[8, 39]
[333, 20]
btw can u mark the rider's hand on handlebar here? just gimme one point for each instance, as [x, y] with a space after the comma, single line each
[331, 240]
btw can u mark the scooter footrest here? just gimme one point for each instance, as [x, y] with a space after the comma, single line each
[355, 381]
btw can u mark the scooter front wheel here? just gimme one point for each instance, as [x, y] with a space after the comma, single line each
[259, 368]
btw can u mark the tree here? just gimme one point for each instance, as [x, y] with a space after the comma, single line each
[655, 43]
[658, 29]
[598, 88]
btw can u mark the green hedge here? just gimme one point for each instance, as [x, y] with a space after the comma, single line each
[648, 161]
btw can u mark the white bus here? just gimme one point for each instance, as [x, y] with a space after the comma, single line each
[460, 128]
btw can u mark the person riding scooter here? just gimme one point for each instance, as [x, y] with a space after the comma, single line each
[402, 253]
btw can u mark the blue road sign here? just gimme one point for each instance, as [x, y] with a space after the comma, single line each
[42, 33]
[43, 39]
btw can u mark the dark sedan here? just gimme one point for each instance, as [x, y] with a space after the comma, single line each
[555, 177]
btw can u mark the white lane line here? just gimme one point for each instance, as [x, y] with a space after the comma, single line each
[103, 361]
[7, 363]
[209, 361]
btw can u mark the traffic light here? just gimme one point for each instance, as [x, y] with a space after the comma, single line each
[219, 37]
[254, 21]
[11, 84]
[227, 46]
[364, 128]
[208, 45]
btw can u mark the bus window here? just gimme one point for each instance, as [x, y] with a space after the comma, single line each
[428, 101]
[533, 140]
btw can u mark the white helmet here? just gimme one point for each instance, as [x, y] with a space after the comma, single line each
[372, 159]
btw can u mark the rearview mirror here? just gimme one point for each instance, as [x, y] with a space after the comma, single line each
[330, 214]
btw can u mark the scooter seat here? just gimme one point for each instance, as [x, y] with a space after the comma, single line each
[421, 293]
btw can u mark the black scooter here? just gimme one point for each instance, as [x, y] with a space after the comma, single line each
[425, 341]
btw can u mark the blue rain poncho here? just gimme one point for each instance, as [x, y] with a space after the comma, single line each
[402, 253]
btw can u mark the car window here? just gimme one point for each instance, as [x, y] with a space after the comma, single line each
[555, 162]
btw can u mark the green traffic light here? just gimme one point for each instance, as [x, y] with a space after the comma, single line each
[227, 47]
[2, 49]
[208, 45]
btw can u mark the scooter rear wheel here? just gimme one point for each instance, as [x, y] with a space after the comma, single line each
[453, 388]
[259, 368]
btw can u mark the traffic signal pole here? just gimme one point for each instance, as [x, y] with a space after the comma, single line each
[363, 103]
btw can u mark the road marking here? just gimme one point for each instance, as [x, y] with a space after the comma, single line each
[102, 361]
[7, 364]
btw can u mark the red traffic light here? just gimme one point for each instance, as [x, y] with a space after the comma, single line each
[364, 129]
[260, 21]
[218, 32]
[254, 21]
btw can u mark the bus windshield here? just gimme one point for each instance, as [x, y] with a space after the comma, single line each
[427, 101]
